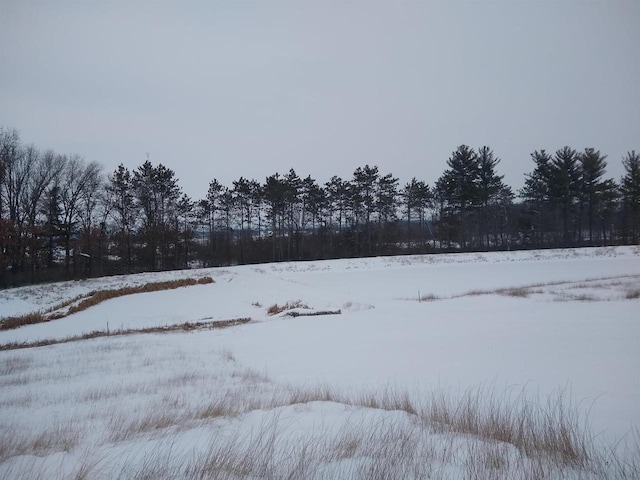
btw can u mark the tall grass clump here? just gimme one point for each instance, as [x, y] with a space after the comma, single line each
[275, 308]
[632, 294]
[553, 429]
[9, 323]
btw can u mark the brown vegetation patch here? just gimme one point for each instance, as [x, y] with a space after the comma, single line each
[562, 294]
[429, 297]
[15, 380]
[250, 376]
[320, 393]
[9, 323]
[152, 421]
[390, 400]
[516, 292]
[13, 365]
[313, 314]
[584, 298]
[221, 407]
[632, 294]
[187, 326]
[60, 437]
[275, 308]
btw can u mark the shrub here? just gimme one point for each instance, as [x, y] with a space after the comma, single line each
[632, 294]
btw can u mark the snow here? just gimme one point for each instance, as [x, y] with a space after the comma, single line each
[569, 327]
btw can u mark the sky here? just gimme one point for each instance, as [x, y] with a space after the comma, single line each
[224, 89]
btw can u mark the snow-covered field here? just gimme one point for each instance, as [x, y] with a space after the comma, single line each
[327, 396]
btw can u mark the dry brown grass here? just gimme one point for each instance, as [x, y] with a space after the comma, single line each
[275, 308]
[316, 394]
[389, 399]
[560, 294]
[21, 400]
[314, 314]
[187, 326]
[429, 297]
[584, 298]
[14, 364]
[60, 437]
[15, 380]
[553, 430]
[224, 406]
[632, 294]
[564, 296]
[516, 292]
[100, 394]
[483, 434]
[251, 376]
[152, 421]
[179, 380]
[9, 323]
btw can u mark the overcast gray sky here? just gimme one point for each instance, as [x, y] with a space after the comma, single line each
[216, 89]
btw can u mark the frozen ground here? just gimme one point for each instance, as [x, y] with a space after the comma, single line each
[538, 321]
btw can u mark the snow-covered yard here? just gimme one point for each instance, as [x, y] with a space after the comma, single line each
[355, 395]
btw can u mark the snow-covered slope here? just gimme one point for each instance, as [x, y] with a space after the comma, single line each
[538, 321]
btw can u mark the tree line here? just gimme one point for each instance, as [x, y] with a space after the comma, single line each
[64, 217]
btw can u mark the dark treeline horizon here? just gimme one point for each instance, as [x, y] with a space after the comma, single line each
[62, 217]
